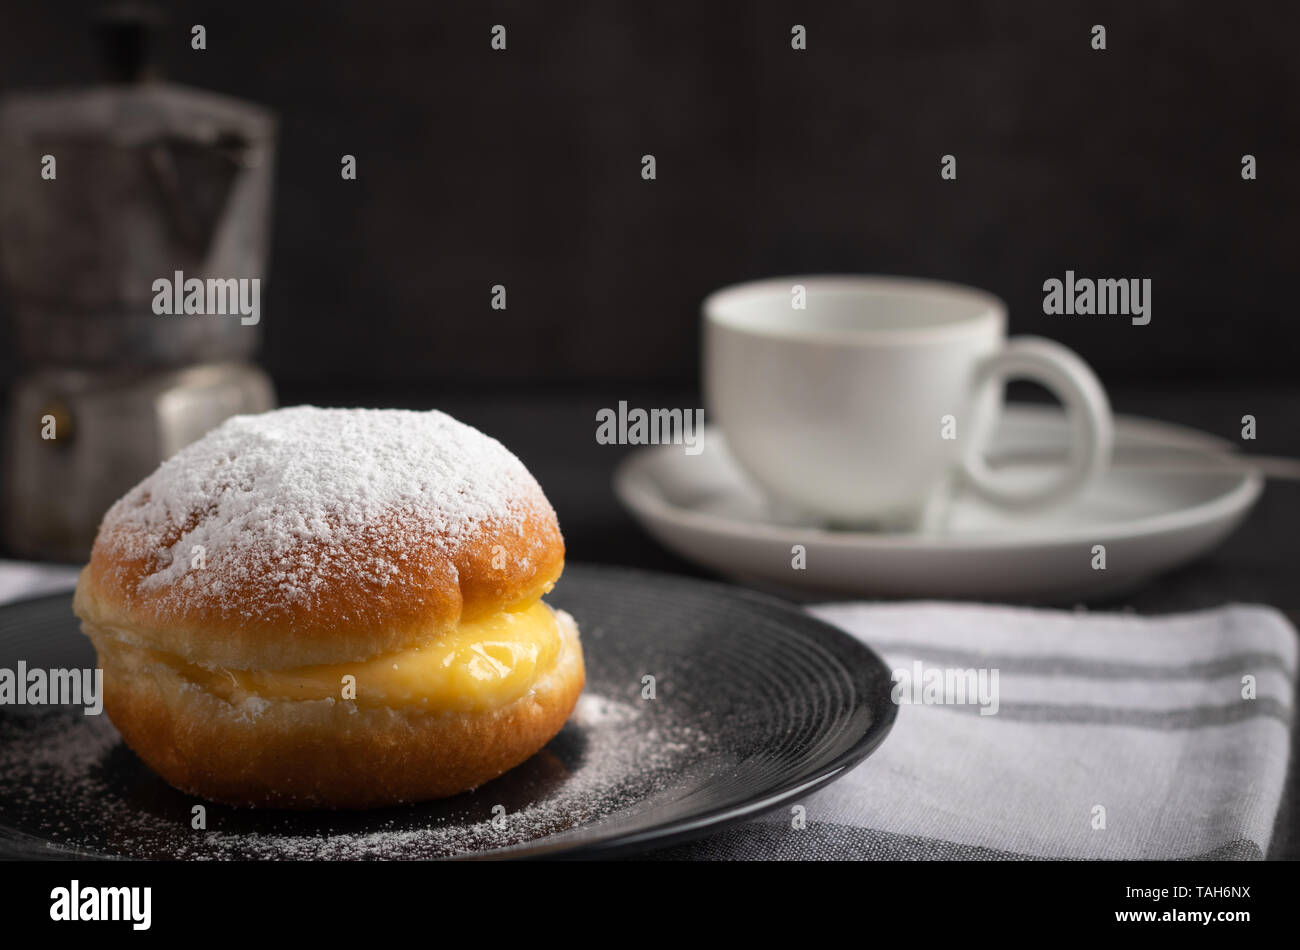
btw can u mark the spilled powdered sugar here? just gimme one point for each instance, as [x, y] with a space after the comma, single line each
[68, 778]
[257, 490]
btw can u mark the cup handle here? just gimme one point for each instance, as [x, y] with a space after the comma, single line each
[1092, 436]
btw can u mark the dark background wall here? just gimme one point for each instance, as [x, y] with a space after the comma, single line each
[479, 167]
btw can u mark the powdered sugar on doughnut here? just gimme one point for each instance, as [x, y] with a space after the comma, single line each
[251, 496]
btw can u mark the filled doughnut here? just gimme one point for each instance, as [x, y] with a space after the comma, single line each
[332, 608]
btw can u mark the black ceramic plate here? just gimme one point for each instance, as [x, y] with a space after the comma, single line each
[754, 703]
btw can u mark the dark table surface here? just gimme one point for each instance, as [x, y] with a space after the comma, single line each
[553, 432]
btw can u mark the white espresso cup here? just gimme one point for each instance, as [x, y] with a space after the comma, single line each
[860, 400]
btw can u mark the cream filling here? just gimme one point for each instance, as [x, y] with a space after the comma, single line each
[479, 665]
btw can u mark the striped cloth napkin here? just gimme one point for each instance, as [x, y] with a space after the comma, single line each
[21, 579]
[1115, 737]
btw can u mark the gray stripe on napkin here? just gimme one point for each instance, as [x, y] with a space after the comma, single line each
[1191, 717]
[1084, 668]
[830, 841]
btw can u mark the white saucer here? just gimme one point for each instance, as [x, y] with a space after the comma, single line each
[702, 507]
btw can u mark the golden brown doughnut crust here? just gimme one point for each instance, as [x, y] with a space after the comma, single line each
[350, 618]
[323, 753]
[327, 585]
